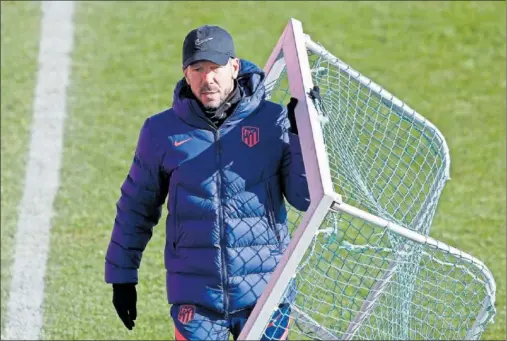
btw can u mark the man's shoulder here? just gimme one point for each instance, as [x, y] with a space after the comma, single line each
[271, 106]
[160, 123]
[162, 116]
[275, 111]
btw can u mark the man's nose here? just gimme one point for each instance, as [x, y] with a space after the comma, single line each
[207, 77]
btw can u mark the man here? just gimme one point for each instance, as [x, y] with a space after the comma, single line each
[226, 158]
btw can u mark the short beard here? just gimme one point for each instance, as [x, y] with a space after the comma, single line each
[211, 106]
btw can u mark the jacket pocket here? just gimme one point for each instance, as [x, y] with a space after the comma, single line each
[271, 212]
[176, 231]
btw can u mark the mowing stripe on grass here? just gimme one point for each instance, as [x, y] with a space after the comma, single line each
[24, 309]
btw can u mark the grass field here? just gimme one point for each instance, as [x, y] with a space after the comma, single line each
[19, 42]
[445, 59]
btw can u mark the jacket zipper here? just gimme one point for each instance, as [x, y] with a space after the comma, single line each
[222, 228]
[225, 285]
[271, 213]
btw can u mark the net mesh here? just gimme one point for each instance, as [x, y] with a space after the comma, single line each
[359, 281]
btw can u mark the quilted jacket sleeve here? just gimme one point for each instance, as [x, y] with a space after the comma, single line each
[138, 210]
[295, 187]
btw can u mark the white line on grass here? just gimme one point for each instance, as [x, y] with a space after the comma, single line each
[24, 309]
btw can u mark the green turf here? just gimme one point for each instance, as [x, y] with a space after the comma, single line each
[19, 26]
[445, 65]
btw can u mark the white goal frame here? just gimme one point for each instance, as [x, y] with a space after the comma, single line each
[322, 194]
[294, 44]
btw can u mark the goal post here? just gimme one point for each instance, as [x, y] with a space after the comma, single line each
[360, 259]
[289, 54]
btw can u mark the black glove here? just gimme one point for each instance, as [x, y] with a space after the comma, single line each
[124, 301]
[292, 115]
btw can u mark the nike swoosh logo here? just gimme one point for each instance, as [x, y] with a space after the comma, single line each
[199, 42]
[179, 143]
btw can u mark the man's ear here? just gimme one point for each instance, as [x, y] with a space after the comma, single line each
[235, 67]
[185, 75]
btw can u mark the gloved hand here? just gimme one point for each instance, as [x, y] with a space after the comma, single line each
[124, 301]
[291, 106]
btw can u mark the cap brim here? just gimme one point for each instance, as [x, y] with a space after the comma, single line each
[212, 56]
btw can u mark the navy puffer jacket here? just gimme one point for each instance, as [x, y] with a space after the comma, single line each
[226, 227]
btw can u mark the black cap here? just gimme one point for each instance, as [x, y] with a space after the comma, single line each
[208, 43]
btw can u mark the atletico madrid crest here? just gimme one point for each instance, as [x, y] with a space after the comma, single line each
[186, 313]
[250, 135]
